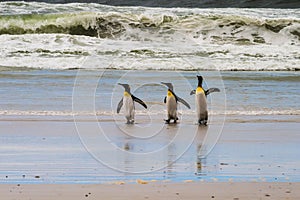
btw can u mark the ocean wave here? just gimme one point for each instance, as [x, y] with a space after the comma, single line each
[213, 27]
[66, 52]
[46, 6]
[63, 36]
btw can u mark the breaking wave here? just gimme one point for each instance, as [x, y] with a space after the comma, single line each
[214, 27]
[62, 36]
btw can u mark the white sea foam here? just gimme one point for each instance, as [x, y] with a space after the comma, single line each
[56, 36]
[52, 51]
[161, 112]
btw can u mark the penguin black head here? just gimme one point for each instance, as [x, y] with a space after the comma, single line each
[126, 86]
[169, 85]
[200, 80]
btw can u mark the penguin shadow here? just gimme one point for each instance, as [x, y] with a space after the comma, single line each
[200, 166]
[128, 146]
[172, 126]
[199, 139]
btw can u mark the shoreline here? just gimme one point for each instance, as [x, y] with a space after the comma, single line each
[142, 117]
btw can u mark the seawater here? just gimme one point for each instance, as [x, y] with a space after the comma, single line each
[50, 92]
[63, 36]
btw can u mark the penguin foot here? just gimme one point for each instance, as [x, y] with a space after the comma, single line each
[202, 122]
[130, 122]
[175, 120]
[168, 121]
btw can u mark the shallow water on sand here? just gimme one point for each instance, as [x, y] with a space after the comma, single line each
[50, 151]
[49, 92]
[48, 135]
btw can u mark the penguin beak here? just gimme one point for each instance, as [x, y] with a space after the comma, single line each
[169, 85]
[126, 86]
[166, 84]
[122, 84]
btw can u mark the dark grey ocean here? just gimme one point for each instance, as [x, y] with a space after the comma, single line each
[190, 3]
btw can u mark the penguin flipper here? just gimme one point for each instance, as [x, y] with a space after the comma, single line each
[139, 101]
[211, 90]
[193, 92]
[183, 102]
[120, 104]
[165, 100]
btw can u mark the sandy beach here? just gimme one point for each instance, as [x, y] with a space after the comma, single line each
[245, 164]
[223, 191]
[51, 148]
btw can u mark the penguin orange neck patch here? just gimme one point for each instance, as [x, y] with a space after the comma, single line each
[170, 93]
[126, 94]
[199, 90]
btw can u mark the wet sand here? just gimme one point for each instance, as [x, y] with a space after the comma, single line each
[255, 158]
[222, 191]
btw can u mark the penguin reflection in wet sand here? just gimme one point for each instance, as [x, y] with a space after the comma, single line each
[128, 102]
[171, 100]
[200, 100]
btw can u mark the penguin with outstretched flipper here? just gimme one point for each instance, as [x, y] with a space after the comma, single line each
[128, 102]
[171, 101]
[200, 100]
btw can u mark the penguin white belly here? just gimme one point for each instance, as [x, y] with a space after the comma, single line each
[201, 106]
[172, 107]
[129, 108]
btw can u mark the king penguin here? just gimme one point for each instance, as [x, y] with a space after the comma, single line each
[200, 100]
[128, 102]
[171, 100]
